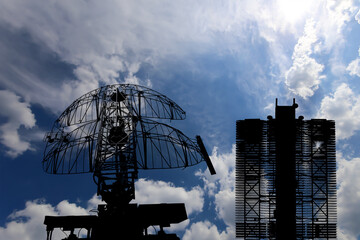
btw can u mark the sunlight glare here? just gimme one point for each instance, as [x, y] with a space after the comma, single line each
[294, 10]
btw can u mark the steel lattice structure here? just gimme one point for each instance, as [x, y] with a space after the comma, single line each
[113, 132]
[309, 201]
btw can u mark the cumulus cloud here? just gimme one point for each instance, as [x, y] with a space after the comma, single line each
[343, 106]
[98, 43]
[323, 33]
[111, 41]
[222, 186]
[332, 18]
[206, 231]
[281, 18]
[303, 78]
[105, 42]
[28, 223]
[357, 17]
[354, 67]
[17, 114]
[108, 41]
[340, 12]
[348, 174]
[150, 191]
[77, 32]
[224, 165]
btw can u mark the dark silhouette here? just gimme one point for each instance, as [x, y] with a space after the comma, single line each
[285, 177]
[113, 132]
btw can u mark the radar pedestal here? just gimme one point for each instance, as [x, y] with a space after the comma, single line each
[132, 222]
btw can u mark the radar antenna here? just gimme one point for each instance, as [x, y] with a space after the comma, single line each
[113, 132]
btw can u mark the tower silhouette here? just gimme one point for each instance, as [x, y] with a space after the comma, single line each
[113, 132]
[285, 177]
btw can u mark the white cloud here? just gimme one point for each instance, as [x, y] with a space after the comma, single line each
[332, 21]
[348, 175]
[207, 231]
[153, 192]
[28, 224]
[93, 203]
[303, 78]
[222, 185]
[331, 18]
[65, 208]
[17, 114]
[269, 108]
[224, 165]
[340, 12]
[102, 40]
[344, 107]
[279, 20]
[225, 206]
[354, 67]
[149, 191]
[323, 34]
[357, 16]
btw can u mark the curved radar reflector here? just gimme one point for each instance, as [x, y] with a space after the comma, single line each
[113, 121]
[160, 146]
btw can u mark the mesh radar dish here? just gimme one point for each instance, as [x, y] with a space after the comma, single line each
[113, 132]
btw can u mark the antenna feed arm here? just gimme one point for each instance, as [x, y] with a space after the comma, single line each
[205, 155]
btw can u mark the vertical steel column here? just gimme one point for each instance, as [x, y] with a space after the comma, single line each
[285, 135]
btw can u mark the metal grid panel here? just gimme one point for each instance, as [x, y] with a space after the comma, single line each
[315, 175]
[255, 199]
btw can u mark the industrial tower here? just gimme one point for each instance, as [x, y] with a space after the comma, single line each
[285, 177]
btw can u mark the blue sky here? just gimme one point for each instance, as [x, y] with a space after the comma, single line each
[220, 61]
